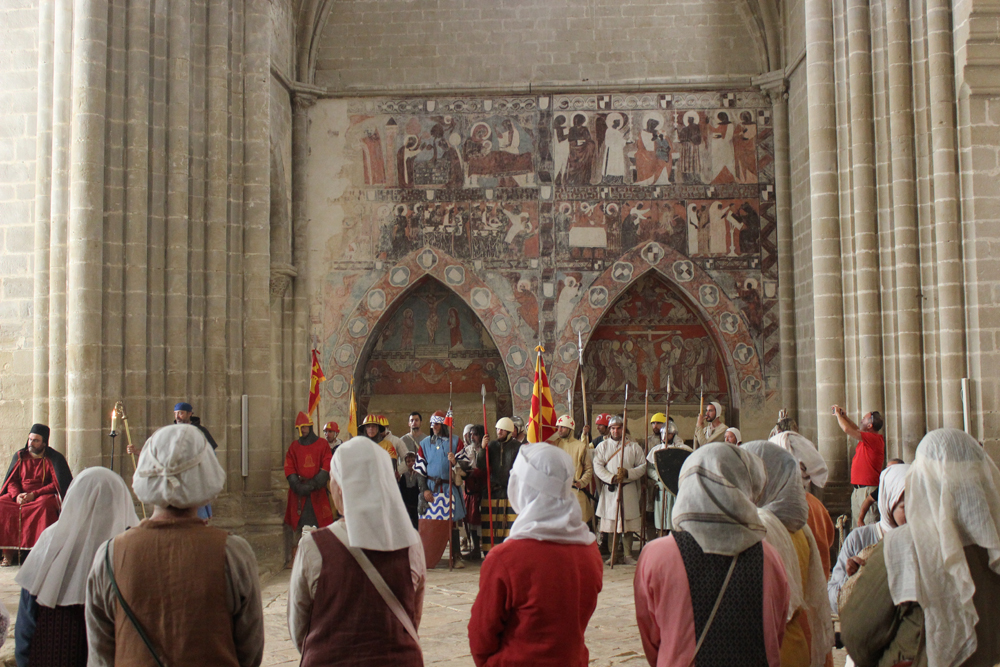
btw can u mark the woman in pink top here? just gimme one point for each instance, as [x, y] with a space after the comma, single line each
[717, 546]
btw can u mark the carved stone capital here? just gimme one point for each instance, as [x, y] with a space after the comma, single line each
[773, 84]
[281, 279]
[301, 102]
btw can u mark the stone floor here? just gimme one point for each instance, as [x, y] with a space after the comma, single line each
[612, 636]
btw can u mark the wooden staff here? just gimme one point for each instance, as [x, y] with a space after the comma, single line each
[583, 380]
[120, 409]
[619, 498]
[642, 489]
[701, 408]
[451, 490]
[667, 438]
[489, 480]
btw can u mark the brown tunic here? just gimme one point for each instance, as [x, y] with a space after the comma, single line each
[351, 624]
[173, 576]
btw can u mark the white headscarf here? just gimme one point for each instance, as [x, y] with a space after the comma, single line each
[718, 409]
[735, 431]
[717, 488]
[783, 494]
[373, 507]
[540, 492]
[97, 507]
[891, 484]
[805, 452]
[178, 469]
[952, 501]
[784, 499]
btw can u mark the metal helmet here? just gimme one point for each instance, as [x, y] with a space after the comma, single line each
[658, 417]
[616, 419]
[518, 422]
[603, 419]
[506, 424]
[566, 421]
[332, 426]
[371, 419]
[301, 421]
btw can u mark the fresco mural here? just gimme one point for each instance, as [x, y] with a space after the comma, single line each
[647, 335]
[432, 339]
[544, 209]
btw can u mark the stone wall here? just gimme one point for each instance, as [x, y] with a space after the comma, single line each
[403, 45]
[18, 107]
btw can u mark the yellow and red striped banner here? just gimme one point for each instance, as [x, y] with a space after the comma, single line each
[315, 377]
[542, 424]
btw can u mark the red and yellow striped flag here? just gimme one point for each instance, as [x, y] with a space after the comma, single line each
[316, 376]
[542, 424]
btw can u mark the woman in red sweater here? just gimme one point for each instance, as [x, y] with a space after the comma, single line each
[538, 590]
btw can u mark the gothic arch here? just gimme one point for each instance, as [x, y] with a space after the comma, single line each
[720, 314]
[346, 351]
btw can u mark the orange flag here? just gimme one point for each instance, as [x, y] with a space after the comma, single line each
[542, 424]
[314, 380]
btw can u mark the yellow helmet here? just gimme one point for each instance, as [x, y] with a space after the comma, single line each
[382, 420]
[658, 417]
[371, 419]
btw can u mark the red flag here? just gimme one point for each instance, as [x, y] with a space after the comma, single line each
[542, 424]
[315, 378]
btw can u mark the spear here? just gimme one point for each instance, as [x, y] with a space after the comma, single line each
[120, 408]
[489, 480]
[642, 495]
[619, 498]
[701, 406]
[667, 438]
[451, 492]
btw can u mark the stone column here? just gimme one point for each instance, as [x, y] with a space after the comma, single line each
[904, 219]
[86, 218]
[776, 87]
[828, 297]
[301, 103]
[43, 210]
[947, 224]
[869, 312]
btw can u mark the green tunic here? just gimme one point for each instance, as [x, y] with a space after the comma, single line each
[877, 633]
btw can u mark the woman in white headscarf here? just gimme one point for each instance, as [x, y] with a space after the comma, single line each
[784, 511]
[193, 588]
[357, 587]
[716, 546]
[50, 618]
[538, 589]
[931, 590]
[860, 541]
[814, 471]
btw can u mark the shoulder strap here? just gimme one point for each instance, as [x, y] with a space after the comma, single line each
[715, 609]
[128, 610]
[373, 575]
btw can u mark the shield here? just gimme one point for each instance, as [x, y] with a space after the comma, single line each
[668, 465]
[434, 535]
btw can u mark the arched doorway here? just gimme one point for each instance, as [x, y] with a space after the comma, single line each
[648, 334]
[430, 342]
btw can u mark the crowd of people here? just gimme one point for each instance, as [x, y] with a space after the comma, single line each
[740, 574]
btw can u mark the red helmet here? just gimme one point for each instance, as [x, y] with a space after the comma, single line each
[332, 426]
[603, 419]
[302, 421]
[382, 420]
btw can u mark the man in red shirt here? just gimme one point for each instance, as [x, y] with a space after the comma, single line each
[869, 456]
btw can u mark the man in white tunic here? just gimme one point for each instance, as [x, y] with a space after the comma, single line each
[619, 462]
[714, 431]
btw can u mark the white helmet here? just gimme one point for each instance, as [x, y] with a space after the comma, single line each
[566, 421]
[505, 424]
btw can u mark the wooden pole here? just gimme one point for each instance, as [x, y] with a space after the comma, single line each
[619, 498]
[642, 489]
[489, 481]
[583, 378]
[666, 438]
[451, 491]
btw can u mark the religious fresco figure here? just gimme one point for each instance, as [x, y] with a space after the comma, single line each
[372, 158]
[653, 155]
[689, 136]
[406, 158]
[454, 329]
[720, 146]
[745, 149]
[560, 150]
[613, 155]
[582, 151]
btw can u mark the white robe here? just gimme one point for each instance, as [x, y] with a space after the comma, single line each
[607, 460]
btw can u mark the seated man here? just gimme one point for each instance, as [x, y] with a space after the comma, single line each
[32, 492]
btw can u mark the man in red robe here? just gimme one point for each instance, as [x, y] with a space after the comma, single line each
[307, 469]
[32, 492]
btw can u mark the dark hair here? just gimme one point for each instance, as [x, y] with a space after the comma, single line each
[896, 461]
[877, 422]
[786, 424]
[479, 431]
[409, 454]
[417, 414]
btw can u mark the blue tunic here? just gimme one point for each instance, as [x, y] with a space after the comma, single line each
[432, 463]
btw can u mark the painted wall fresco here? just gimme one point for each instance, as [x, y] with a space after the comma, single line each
[539, 211]
[648, 335]
[431, 340]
